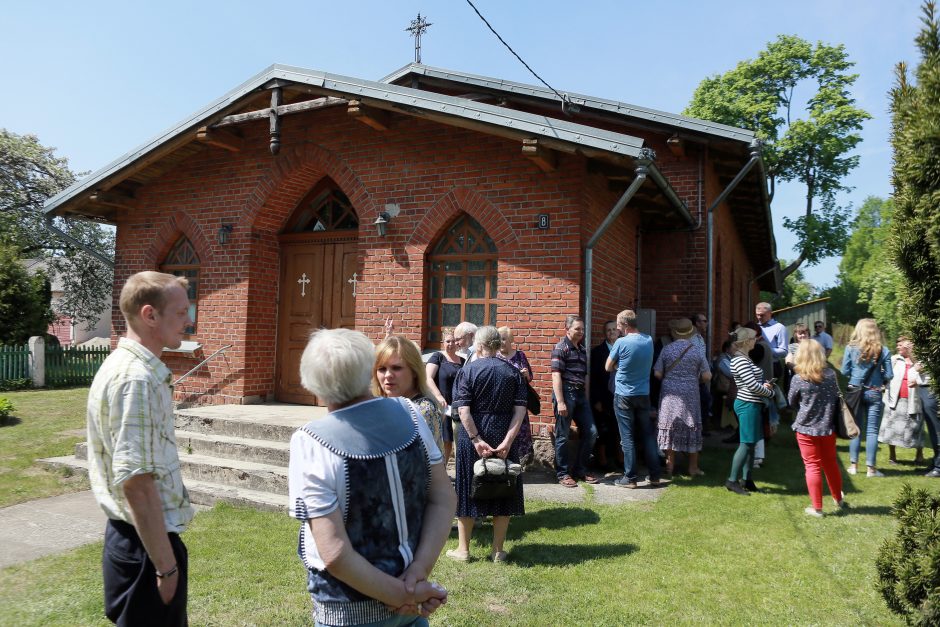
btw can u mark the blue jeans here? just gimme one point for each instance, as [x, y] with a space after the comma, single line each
[869, 411]
[580, 412]
[634, 412]
[928, 404]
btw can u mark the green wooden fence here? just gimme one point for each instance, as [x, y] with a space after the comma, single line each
[73, 365]
[14, 362]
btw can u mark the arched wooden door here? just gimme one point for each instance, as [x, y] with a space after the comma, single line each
[318, 277]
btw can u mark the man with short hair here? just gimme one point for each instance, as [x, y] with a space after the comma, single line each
[822, 337]
[602, 397]
[134, 465]
[570, 394]
[464, 334]
[700, 322]
[632, 358]
[775, 333]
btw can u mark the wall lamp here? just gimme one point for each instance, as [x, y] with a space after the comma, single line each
[225, 231]
[381, 223]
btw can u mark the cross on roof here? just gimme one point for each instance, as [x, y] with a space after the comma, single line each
[418, 26]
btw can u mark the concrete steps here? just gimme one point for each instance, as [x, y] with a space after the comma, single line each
[236, 454]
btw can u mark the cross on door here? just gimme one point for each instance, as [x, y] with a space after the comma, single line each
[303, 280]
[354, 280]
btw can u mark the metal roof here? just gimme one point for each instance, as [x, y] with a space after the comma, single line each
[557, 133]
[610, 106]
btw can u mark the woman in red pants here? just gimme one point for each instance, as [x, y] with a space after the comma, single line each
[815, 391]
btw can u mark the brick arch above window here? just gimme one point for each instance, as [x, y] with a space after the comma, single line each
[452, 204]
[169, 232]
[182, 260]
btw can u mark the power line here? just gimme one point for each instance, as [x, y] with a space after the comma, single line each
[564, 98]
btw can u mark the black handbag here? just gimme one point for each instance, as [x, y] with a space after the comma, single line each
[532, 401]
[853, 394]
[493, 484]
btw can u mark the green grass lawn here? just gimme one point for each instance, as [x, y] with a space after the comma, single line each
[46, 423]
[699, 555]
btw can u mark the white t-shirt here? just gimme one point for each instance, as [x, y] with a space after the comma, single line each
[317, 477]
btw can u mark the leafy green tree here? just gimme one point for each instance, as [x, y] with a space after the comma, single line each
[24, 300]
[30, 173]
[796, 289]
[915, 139]
[870, 284]
[813, 150]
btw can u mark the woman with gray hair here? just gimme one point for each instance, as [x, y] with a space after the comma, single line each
[490, 397]
[368, 484]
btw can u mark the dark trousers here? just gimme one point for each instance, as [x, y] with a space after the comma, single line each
[928, 403]
[131, 596]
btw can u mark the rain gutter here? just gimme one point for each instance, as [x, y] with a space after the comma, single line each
[77, 243]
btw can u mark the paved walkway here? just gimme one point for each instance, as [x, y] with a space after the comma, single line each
[59, 523]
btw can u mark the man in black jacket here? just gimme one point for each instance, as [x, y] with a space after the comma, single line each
[608, 435]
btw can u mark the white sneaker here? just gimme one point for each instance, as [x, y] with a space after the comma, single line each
[812, 511]
[852, 470]
[874, 472]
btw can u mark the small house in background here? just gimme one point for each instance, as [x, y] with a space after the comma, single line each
[807, 313]
[66, 330]
[303, 199]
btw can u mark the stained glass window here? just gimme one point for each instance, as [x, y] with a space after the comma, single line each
[462, 269]
[183, 261]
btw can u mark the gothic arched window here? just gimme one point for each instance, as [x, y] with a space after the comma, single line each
[183, 261]
[462, 278]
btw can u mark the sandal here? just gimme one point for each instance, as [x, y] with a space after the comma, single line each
[457, 555]
[568, 482]
[589, 478]
[500, 557]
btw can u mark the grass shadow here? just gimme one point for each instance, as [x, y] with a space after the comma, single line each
[9, 421]
[568, 554]
[552, 518]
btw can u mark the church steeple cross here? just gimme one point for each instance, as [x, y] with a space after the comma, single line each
[418, 26]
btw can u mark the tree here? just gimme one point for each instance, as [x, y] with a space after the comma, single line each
[796, 289]
[24, 300]
[870, 284]
[915, 139]
[30, 173]
[758, 95]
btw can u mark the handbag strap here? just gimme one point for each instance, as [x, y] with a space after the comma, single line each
[678, 359]
[486, 469]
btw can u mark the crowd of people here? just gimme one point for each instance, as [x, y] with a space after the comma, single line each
[368, 480]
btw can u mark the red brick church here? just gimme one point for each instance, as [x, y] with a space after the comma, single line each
[303, 199]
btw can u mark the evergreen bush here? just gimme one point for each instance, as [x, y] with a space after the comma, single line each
[909, 563]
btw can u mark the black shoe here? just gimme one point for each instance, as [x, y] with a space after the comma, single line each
[933, 473]
[750, 486]
[735, 487]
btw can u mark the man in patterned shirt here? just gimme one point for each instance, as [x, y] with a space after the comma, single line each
[133, 461]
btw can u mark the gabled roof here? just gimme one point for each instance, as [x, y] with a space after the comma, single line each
[557, 134]
[588, 102]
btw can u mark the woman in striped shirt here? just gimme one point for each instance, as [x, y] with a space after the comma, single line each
[751, 391]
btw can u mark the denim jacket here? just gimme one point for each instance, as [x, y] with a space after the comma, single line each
[856, 370]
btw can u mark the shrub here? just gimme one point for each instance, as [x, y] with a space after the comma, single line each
[11, 385]
[909, 563]
[6, 408]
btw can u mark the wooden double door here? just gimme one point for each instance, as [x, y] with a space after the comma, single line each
[317, 290]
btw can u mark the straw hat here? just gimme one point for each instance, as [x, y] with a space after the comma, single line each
[681, 328]
[742, 334]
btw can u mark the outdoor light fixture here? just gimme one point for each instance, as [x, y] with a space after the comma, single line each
[224, 232]
[381, 223]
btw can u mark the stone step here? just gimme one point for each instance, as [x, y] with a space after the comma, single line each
[257, 422]
[234, 472]
[200, 492]
[264, 451]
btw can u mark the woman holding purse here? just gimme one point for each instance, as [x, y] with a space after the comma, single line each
[815, 391]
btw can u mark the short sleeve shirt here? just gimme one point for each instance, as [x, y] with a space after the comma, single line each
[825, 339]
[633, 354]
[571, 361]
[131, 432]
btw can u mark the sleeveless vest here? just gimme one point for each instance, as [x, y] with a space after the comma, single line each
[387, 480]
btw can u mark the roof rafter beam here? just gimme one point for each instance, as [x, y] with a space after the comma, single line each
[535, 151]
[113, 199]
[282, 110]
[220, 138]
[375, 118]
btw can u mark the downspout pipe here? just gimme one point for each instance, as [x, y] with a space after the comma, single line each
[642, 171]
[77, 243]
[710, 233]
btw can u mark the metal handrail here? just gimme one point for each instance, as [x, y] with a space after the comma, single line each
[201, 363]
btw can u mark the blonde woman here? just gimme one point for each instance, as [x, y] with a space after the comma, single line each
[867, 363]
[815, 391]
[752, 389]
[442, 369]
[399, 371]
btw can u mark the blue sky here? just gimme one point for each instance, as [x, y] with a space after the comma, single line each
[96, 79]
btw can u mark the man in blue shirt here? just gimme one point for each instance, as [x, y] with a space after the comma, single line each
[822, 337]
[775, 333]
[632, 358]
